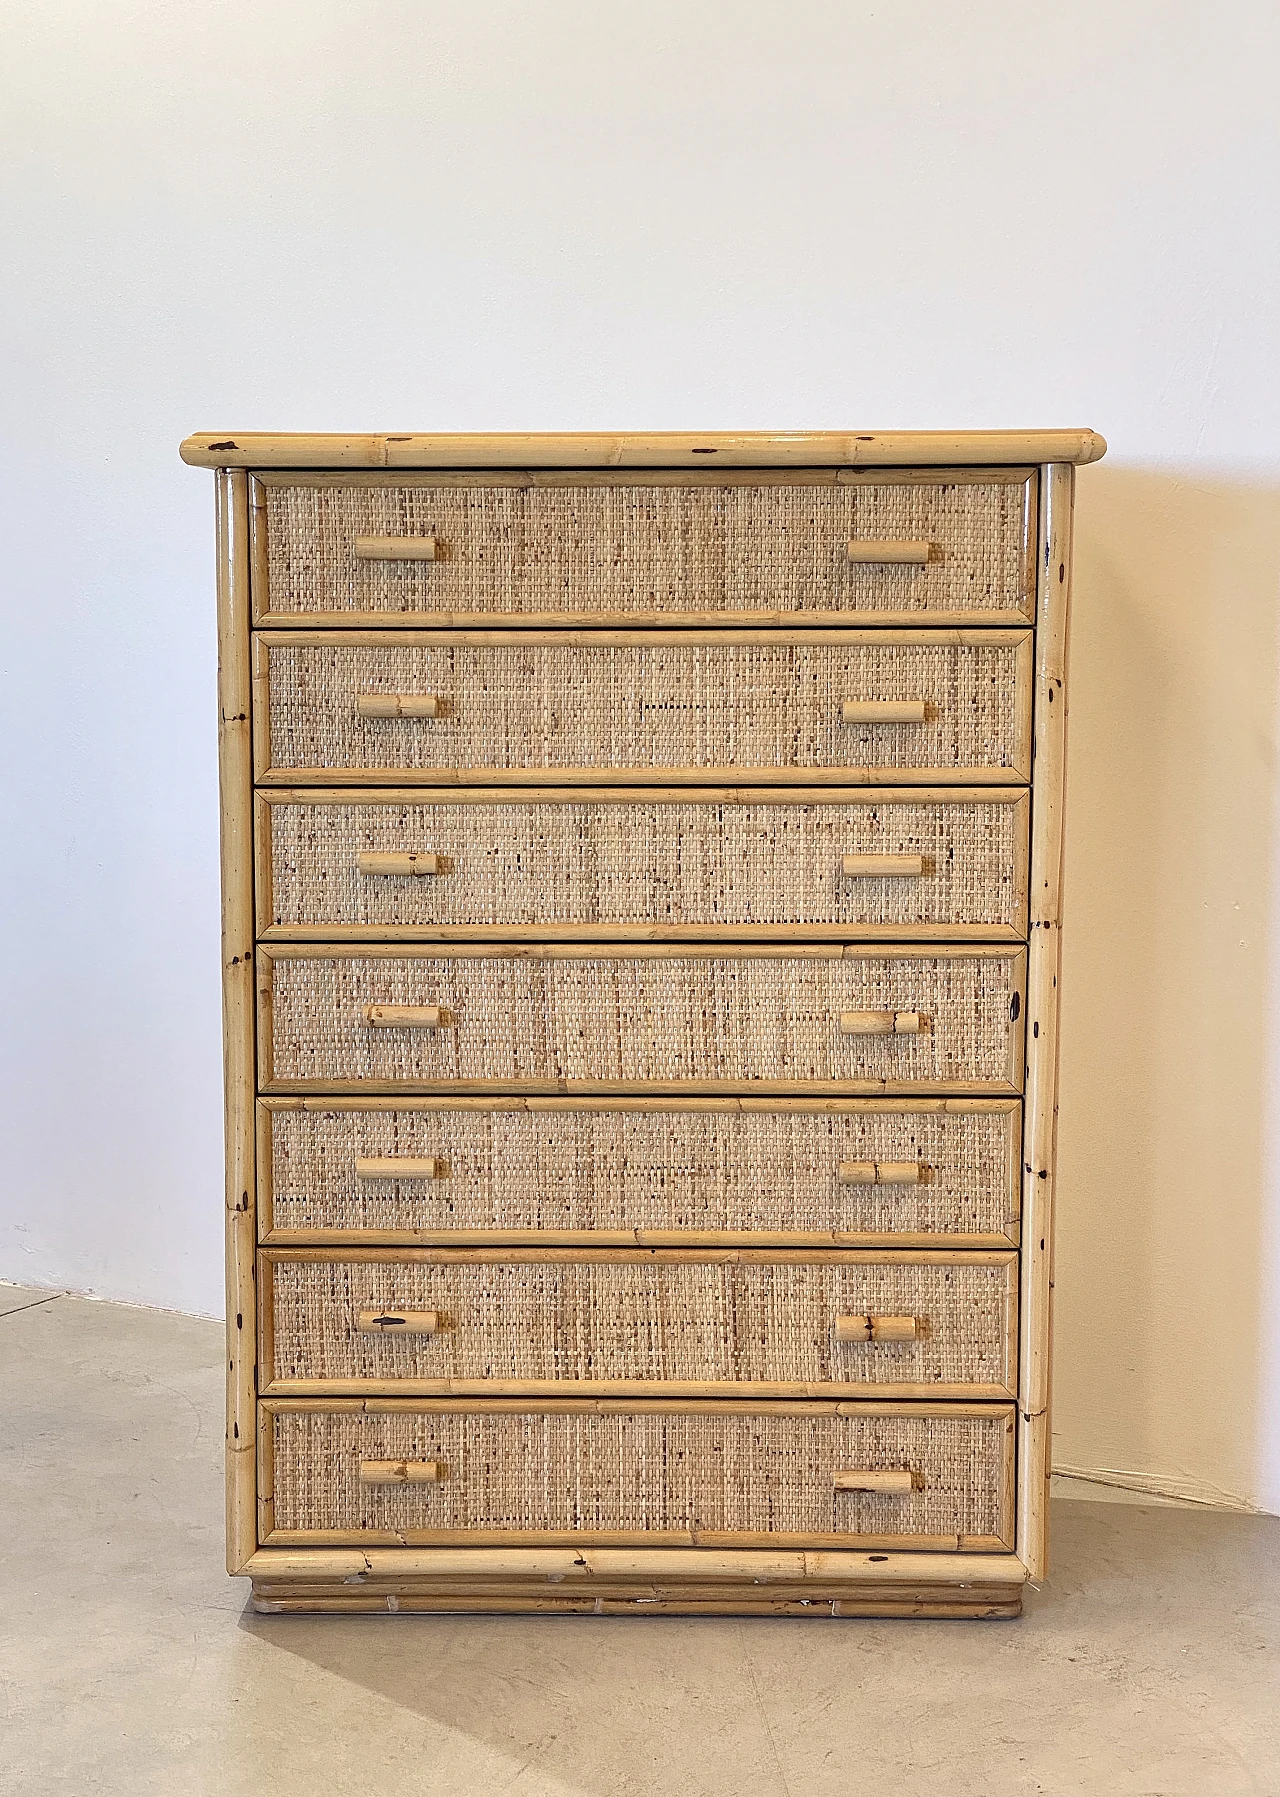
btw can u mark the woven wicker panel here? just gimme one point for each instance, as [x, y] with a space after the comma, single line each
[644, 1170]
[670, 863]
[623, 549]
[675, 1319]
[661, 705]
[611, 1470]
[647, 1019]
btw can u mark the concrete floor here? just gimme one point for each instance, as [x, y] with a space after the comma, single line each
[1148, 1666]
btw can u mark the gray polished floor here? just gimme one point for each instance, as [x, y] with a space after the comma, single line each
[1149, 1666]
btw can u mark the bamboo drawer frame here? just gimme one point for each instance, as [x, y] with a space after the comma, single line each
[493, 645]
[862, 1376]
[436, 1115]
[945, 802]
[641, 1574]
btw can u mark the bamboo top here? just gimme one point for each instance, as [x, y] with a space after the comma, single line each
[643, 449]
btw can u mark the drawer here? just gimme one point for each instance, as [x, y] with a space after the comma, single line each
[609, 1473]
[956, 546]
[923, 864]
[854, 1171]
[664, 1321]
[396, 707]
[602, 1018]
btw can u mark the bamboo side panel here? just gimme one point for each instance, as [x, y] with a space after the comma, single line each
[538, 551]
[658, 1475]
[623, 1319]
[1045, 961]
[671, 701]
[640, 1173]
[235, 773]
[612, 1018]
[584, 864]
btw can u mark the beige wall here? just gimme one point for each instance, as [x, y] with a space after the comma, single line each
[563, 214]
[1166, 1316]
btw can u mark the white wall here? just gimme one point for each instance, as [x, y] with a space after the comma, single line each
[408, 214]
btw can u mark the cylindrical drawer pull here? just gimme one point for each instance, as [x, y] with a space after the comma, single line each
[899, 552]
[857, 867]
[881, 1023]
[400, 1322]
[395, 549]
[887, 1479]
[401, 705]
[883, 711]
[408, 1017]
[877, 1329]
[403, 1472]
[879, 1173]
[400, 1166]
[378, 861]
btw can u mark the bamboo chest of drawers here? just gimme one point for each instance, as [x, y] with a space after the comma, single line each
[642, 875]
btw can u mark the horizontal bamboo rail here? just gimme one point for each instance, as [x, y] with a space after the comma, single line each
[582, 1564]
[639, 449]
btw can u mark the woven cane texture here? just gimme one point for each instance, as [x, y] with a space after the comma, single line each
[645, 1170]
[668, 1019]
[651, 1472]
[669, 549]
[729, 1321]
[671, 863]
[663, 704]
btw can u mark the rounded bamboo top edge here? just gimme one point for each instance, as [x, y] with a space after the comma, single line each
[666, 449]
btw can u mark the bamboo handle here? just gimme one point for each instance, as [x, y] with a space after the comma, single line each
[400, 1322]
[376, 861]
[403, 1472]
[408, 1017]
[878, 1329]
[401, 705]
[886, 1480]
[859, 867]
[883, 711]
[899, 553]
[881, 1023]
[395, 549]
[880, 1173]
[400, 1166]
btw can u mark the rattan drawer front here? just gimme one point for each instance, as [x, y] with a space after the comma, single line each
[540, 1319]
[679, 706]
[334, 866]
[636, 548]
[602, 1019]
[637, 1474]
[855, 1172]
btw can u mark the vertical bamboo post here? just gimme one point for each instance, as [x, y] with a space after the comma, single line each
[235, 778]
[1040, 1123]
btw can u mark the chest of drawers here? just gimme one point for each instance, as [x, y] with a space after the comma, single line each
[642, 897]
